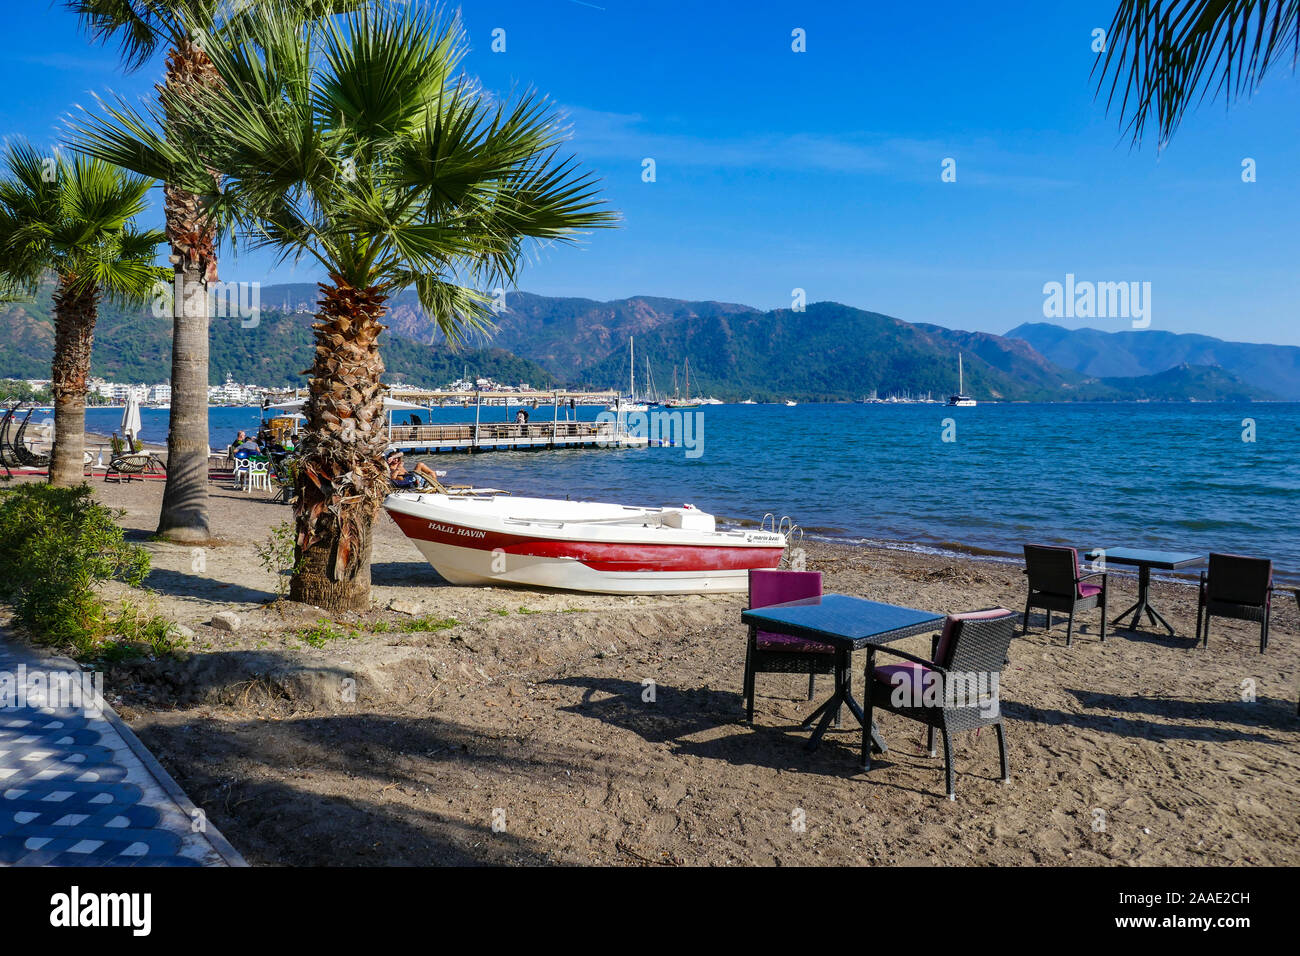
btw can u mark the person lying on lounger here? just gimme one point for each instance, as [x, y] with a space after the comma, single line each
[401, 478]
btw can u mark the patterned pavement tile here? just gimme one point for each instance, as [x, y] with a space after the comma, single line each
[77, 788]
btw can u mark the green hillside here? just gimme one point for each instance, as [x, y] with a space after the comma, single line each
[134, 346]
[829, 352]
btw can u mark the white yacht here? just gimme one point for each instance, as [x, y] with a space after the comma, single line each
[961, 399]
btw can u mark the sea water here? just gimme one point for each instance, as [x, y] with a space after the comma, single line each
[1195, 477]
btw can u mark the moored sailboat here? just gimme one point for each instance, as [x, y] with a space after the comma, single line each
[961, 399]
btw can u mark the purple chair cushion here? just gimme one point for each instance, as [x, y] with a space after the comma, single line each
[904, 674]
[1089, 590]
[767, 587]
[791, 645]
[944, 650]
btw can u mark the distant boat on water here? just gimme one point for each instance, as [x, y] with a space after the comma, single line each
[749, 401]
[631, 403]
[961, 399]
[686, 402]
[790, 404]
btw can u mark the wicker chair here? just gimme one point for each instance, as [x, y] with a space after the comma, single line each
[8, 458]
[971, 651]
[1055, 584]
[1236, 587]
[19, 445]
[129, 467]
[780, 653]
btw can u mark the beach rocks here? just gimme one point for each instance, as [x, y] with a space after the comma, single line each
[183, 632]
[225, 621]
[404, 606]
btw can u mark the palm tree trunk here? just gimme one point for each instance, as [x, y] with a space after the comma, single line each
[184, 515]
[342, 479]
[75, 312]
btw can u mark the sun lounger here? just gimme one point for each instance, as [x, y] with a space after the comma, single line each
[130, 467]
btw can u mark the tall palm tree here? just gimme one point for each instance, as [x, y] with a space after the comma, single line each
[1162, 56]
[75, 219]
[141, 28]
[355, 142]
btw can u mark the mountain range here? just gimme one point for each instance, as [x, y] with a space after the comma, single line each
[1148, 351]
[826, 352]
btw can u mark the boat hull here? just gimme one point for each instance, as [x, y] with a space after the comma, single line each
[470, 550]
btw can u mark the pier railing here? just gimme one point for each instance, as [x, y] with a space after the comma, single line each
[489, 434]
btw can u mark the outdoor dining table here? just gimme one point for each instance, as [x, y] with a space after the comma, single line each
[847, 624]
[1144, 561]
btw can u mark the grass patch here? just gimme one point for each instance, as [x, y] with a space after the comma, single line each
[137, 633]
[427, 624]
[322, 632]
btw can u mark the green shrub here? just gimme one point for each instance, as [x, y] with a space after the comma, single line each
[57, 546]
[277, 555]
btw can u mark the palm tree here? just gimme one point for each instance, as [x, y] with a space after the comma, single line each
[354, 142]
[1164, 55]
[141, 28]
[73, 218]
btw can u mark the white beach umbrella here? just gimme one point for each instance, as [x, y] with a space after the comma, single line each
[131, 418]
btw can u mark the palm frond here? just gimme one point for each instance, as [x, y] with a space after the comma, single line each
[139, 27]
[74, 217]
[353, 141]
[1164, 56]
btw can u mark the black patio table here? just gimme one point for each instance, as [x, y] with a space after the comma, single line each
[848, 624]
[1144, 561]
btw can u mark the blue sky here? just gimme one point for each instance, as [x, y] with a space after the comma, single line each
[821, 170]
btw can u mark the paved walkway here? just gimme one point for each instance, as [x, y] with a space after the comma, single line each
[77, 788]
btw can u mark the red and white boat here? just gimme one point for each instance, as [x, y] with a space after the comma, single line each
[489, 538]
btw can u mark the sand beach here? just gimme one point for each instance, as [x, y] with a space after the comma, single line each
[492, 725]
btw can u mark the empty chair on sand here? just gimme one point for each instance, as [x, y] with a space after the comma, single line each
[258, 475]
[1235, 587]
[1055, 584]
[780, 653]
[957, 689]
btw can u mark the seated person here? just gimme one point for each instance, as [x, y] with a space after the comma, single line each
[245, 447]
[398, 475]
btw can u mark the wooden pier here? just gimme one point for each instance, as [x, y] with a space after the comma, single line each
[510, 436]
[551, 432]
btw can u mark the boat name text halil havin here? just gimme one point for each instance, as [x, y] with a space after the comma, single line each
[452, 529]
